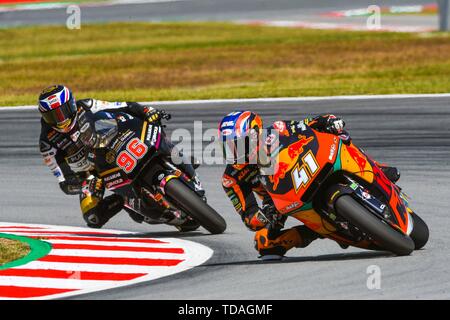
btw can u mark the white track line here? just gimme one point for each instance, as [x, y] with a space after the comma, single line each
[112, 244]
[59, 5]
[55, 283]
[116, 254]
[263, 100]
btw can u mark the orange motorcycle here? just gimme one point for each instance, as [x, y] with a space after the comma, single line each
[338, 191]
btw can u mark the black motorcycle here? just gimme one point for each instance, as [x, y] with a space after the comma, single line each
[134, 158]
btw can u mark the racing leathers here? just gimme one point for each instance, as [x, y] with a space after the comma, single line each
[68, 159]
[242, 182]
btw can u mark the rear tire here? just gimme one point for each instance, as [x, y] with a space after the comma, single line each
[195, 207]
[383, 234]
[420, 232]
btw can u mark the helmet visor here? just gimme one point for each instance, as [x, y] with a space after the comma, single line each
[61, 117]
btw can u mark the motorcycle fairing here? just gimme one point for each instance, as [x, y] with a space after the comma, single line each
[331, 156]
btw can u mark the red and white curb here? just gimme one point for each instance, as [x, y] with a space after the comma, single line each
[85, 260]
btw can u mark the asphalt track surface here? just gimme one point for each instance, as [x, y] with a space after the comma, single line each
[413, 134]
[219, 10]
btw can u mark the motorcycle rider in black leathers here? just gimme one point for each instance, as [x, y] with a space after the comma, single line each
[68, 158]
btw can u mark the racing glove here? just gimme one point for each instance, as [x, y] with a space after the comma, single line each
[330, 124]
[71, 186]
[93, 186]
[267, 216]
[327, 123]
[151, 114]
[335, 125]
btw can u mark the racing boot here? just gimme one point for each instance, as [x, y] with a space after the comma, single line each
[100, 213]
[273, 245]
[342, 245]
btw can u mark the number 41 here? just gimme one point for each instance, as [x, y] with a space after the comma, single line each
[301, 175]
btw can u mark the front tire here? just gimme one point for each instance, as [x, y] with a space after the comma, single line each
[383, 234]
[194, 206]
[420, 232]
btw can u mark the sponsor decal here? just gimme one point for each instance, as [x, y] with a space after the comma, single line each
[354, 186]
[242, 174]
[84, 127]
[57, 173]
[332, 150]
[51, 134]
[280, 173]
[110, 156]
[227, 132]
[366, 195]
[112, 176]
[301, 126]
[296, 148]
[227, 181]
[74, 136]
[290, 207]
[227, 124]
[111, 184]
[280, 126]
[121, 118]
[44, 146]
[149, 134]
[121, 140]
[78, 161]
[63, 144]
[155, 135]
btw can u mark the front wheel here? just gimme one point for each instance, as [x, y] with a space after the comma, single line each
[382, 233]
[420, 232]
[194, 206]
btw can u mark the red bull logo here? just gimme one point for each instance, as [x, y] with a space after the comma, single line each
[296, 148]
[282, 168]
[356, 155]
[382, 180]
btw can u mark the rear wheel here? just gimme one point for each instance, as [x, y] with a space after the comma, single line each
[420, 232]
[383, 234]
[194, 206]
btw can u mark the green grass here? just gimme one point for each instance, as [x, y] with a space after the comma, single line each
[170, 61]
[11, 250]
